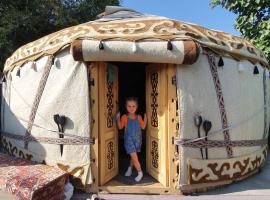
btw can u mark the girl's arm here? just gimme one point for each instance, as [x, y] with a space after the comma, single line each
[144, 122]
[118, 121]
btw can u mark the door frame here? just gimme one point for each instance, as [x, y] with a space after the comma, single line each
[172, 128]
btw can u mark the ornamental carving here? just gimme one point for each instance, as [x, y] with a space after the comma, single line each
[110, 155]
[109, 104]
[154, 154]
[154, 101]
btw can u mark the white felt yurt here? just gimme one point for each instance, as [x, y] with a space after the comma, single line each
[205, 94]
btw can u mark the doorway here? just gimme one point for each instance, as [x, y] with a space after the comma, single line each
[149, 83]
[132, 83]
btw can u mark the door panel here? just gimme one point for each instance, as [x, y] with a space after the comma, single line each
[108, 134]
[156, 135]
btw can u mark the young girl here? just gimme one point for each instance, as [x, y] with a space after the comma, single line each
[133, 135]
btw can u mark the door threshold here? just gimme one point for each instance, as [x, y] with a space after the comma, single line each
[116, 187]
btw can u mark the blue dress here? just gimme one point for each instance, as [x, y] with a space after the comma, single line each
[133, 135]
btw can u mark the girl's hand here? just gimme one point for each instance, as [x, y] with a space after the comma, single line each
[118, 115]
[145, 117]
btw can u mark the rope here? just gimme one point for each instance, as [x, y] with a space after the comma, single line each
[184, 142]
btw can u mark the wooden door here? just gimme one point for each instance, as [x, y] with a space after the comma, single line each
[156, 134]
[108, 134]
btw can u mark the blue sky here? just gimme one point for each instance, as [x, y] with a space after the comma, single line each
[193, 11]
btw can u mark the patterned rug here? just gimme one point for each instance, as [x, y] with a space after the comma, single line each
[29, 180]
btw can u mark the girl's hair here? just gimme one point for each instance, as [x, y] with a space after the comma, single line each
[135, 99]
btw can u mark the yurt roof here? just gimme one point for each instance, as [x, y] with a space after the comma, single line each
[122, 24]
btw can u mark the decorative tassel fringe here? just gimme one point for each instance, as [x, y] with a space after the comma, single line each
[241, 66]
[134, 47]
[256, 70]
[56, 63]
[169, 46]
[34, 66]
[18, 73]
[4, 79]
[220, 62]
[101, 46]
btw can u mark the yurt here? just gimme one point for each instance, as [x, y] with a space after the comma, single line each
[205, 94]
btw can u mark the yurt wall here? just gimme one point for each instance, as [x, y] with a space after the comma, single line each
[30, 103]
[229, 94]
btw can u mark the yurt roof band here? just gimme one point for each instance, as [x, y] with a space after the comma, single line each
[144, 28]
[176, 52]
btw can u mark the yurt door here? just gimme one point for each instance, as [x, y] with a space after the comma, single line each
[108, 136]
[156, 105]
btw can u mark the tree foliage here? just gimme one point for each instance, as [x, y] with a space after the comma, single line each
[253, 20]
[26, 20]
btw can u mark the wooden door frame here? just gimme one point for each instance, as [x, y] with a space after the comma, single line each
[173, 123]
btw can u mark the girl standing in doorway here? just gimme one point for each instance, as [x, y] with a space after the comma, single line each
[133, 124]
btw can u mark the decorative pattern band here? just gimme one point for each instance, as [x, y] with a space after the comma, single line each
[231, 169]
[218, 143]
[40, 90]
[65, 141]
[224, 121]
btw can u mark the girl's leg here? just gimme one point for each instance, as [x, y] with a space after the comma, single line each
[129, 170]
[135, 161]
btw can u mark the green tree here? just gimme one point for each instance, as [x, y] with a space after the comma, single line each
[23, 21]
[253, 20]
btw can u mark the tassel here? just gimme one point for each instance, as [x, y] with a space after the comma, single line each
[18, 73]
[134, 47]
[256, 70]
[169, 46]
[241, 66]
[220, 62]
[56, 62]
[34, 66]
[101, 46]
[4, 79]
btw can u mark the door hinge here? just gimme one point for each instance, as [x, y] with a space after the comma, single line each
[92, 141]
[174, 80]
[91, 82]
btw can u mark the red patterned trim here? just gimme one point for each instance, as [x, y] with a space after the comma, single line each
[224, 121]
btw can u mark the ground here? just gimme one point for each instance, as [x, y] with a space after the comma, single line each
[255, 187]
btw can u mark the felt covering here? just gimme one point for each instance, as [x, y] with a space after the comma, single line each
[138, 28]
[243, 102]
[66, 93]
[28, 180]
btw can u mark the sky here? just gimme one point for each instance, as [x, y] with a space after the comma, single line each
[192, 11]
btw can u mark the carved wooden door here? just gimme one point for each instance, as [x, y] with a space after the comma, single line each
[108, 134]
[156, 134]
